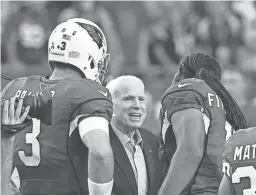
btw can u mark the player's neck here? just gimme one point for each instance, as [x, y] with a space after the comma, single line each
[58, 74]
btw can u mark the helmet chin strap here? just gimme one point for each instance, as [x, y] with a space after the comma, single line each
[100, 78]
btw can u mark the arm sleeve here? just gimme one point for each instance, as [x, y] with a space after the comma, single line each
[182, 100]
[95, 114]
[93, 123]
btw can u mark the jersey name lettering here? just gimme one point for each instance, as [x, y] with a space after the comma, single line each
[23, 93]
[214, 100]
[247, 152]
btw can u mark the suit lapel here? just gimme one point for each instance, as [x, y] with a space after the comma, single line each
[147, 152]
[122, 160]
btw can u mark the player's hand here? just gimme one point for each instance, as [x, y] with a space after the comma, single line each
[12, 116]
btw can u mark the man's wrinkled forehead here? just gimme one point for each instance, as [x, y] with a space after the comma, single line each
[124, 89]
[129, 88]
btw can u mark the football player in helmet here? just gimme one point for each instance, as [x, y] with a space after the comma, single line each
[197, 117]
[239, 164]
[66, 150]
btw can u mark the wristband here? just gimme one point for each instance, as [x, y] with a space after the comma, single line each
[100, 188]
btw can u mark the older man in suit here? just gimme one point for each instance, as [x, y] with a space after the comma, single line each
[138, 170]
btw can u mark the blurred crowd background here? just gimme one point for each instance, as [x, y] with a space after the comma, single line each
[145, 38]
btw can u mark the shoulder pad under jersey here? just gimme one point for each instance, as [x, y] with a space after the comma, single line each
[84, 90]
[191, 84]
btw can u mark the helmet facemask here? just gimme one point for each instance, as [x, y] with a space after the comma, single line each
[98, 38]
[103, 66]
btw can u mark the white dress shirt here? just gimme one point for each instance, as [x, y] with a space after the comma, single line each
[133, 148]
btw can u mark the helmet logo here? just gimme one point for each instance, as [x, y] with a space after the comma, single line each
[66, 37]
[74, 54]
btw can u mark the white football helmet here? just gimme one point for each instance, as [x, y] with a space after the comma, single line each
[80, 43]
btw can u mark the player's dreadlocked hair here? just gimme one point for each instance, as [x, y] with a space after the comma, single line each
[202, 66]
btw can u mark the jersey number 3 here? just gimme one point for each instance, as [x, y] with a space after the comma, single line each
[31, 138]
[248, 171]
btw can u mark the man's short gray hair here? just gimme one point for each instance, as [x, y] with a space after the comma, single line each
[114, 85]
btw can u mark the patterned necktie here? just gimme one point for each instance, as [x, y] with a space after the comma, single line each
[141, 169]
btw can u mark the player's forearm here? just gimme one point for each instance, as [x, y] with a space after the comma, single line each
[226, 187]
[101, 166]
[100, 170]
[182, 169]
[224, 191]
[13, 189]
[7, 145]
